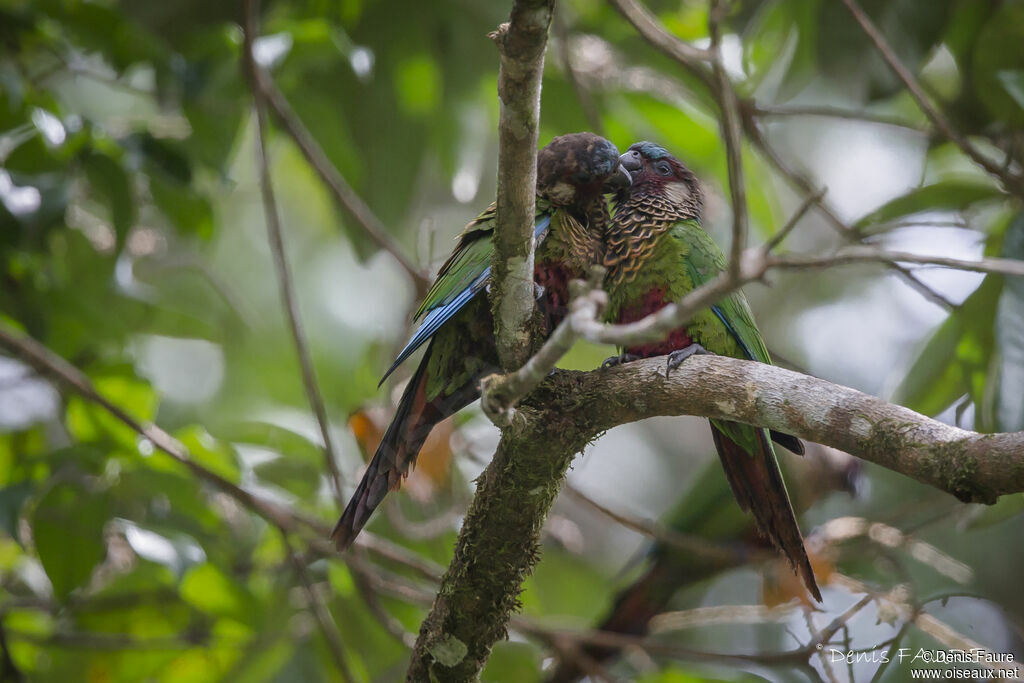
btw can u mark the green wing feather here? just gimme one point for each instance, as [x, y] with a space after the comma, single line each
[471, 257]
[706, 261]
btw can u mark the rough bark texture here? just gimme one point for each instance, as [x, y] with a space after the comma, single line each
[973, 467]
[521, 43]
[499, 542]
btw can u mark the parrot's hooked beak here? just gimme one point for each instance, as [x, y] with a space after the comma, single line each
[631, 161]
[620, 180]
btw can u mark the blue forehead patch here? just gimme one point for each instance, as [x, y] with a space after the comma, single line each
[606, 158]
[650, 150]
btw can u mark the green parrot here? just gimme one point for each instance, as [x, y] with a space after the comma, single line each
[656, 252]
[707, 511]
[574, 172]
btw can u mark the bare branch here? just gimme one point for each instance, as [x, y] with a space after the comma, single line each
[383, 617]
[825, 111]
[804, 185]
[729, 121]
[472, 607]
[718, 614]
[1013, 183]
[794, 220]
[332, 178]
[726, 553]
[1002, 266]
[500, 393]
[323, 617]
[277, 249]
[583, 95]
[651, 29]
[50, 365]
[521, 43]
[973, 467]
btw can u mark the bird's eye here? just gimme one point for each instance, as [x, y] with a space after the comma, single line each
[663, 168]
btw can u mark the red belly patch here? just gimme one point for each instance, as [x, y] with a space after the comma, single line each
[654, 300]
[554, 278]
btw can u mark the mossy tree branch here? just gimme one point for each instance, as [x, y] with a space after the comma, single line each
[521, 44]
[499, 543]
[478, 591]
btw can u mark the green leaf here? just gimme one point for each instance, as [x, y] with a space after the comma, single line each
[67, 528]
[108, 179]
[944, 195]
[418, 85]
[513, 663]
[208, 589]
[12, 498]
[997, 53]
[190, 211]
[1009, 331]
[274, 437]
[448, 651]
[956, 352]
[1013, 82]
[982, 516]
[765, 38]
[88, 422]
[291, 474]
[209, 452]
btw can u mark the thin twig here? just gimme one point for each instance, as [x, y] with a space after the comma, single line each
[390, 624]
[718, 614]
[323, 618]
[730, 125]
[804, 185]
[112, 642]
[651, 29]
[277, 249]
[656, 646]
[825, 111]
[727, 553]
[865, 254]
[500, 393]
[334, 180]
[51, 365]
[583, 95]
[1014, 183]
[795, 219]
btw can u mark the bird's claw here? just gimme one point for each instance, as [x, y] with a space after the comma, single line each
[612, 361]
[538, 291]
[676, 358]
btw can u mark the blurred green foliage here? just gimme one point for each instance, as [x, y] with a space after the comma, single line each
[132, 244]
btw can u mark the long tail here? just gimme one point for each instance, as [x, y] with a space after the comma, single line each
[757, 484]
[398, 448]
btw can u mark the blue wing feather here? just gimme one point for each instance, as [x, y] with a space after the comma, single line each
[438, 316]
[732, 331]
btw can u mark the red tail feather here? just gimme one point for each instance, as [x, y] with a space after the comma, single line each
[397, 452]
[757, 484]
